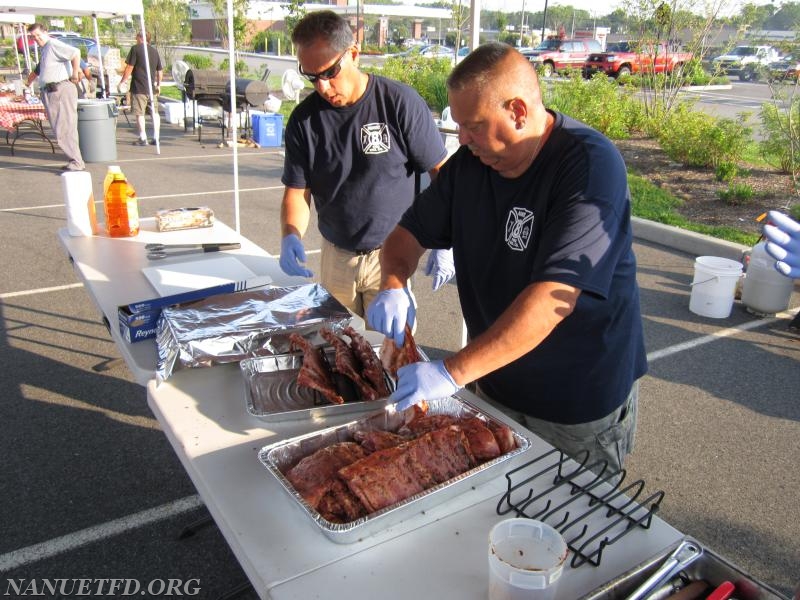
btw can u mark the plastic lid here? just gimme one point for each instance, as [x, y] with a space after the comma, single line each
[114, 169]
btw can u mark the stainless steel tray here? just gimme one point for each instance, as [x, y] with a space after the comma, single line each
[278, 458]
[272, 393]
[710, 567]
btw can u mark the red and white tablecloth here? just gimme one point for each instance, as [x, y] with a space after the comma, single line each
[13, 113]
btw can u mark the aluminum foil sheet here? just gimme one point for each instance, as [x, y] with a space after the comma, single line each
[272, 393]
[278, 458]
[232, 327]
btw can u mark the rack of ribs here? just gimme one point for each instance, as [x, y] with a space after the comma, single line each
[348, 365]
[371, 367]
[349, 480]
[314, 372]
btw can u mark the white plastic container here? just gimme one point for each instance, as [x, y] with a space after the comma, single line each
[526, 559]
[765, 291]
[714, 286]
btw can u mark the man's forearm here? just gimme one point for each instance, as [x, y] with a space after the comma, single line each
[399, 258]
[295, 212]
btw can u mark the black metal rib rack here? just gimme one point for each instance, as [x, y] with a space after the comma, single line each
[575, 494]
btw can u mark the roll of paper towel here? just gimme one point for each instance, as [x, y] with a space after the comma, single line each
[79, 201]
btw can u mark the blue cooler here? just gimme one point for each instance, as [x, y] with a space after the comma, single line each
[267, 128]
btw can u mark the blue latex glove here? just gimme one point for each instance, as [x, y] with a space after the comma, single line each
[293, 256]
[389, 313]
[784, 243]
[441, 267]
[422, 381]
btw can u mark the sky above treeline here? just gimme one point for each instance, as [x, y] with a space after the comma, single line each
[596, 7]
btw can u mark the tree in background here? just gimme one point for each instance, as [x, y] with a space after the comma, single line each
[167, 21]
[240, 24]
[296, 10]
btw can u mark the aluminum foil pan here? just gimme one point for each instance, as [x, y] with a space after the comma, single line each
[710, 567]
[278, 458]
[272, 394]
[232, 327]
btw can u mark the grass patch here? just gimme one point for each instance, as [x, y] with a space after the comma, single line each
[654, 204]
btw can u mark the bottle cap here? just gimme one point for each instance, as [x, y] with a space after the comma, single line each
[114, 169]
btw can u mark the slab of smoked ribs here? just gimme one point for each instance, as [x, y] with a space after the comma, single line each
[343, 484]
[349, 365]
[371, 367]
[315, 373]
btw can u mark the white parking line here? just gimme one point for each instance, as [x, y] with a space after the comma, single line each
[71, 541]
[718, 335]
[56, 288]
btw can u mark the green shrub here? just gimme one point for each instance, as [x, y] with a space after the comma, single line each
[781, 144]
[198, 61]
[794, 211]
[240, 69]
[737, 194]
[599, 102]
[697, 139]
[426, 75]
[726, 171]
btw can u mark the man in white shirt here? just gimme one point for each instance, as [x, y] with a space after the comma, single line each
[59, 73]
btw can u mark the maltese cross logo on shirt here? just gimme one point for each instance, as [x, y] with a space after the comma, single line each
[519, 228]
[375, 138]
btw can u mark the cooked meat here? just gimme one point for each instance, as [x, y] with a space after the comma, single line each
[504, 436]
[393, 357]
[421, 424]
[371, 368]
[348, 365]
[391, 475]
[378, 440]
[340, 505]
[314, 475]
[482, 441]
[314, 372]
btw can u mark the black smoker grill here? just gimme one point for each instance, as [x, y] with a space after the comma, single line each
[207, 87]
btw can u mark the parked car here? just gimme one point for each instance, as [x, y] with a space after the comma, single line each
[787, 68]
[81, 43]
[650, 58]
[745, 60]
[555, 55]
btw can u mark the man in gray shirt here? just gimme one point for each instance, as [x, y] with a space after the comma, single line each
[59, 70]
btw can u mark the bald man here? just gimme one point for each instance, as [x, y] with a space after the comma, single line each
[536, 208]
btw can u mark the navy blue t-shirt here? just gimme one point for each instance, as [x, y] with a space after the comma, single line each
[566, 219]
[359, 161]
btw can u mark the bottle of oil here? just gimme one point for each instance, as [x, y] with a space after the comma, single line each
[121, 208]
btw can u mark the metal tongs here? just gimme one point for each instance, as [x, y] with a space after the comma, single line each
[684, 555]
[159, 251]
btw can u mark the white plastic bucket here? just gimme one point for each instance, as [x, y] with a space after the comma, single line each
[526, 559]
[714, 286]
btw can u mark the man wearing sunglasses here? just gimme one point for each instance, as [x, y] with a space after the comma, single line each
[354, 147]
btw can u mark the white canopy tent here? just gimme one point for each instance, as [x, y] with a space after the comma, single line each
[106, 9]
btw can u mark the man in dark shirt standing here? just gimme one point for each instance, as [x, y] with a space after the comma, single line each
[137, 71]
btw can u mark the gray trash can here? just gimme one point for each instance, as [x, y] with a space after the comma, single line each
[97, 130]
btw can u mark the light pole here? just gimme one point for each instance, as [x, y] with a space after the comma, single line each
[522, 24]
[544, 18]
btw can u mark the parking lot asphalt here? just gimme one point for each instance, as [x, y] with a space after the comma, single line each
[92, 489]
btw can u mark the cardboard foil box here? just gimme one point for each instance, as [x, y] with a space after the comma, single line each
[138, 321]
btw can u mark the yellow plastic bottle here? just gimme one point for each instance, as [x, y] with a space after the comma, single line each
[121, 208]
[112, 170]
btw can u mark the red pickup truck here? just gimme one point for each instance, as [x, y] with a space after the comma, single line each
[555, 54]
[622, 59]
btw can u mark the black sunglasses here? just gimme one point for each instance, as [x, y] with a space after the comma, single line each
[329, 73]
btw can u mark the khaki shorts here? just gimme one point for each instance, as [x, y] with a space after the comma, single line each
[608, 439]
[139, 103]
[353, 279]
